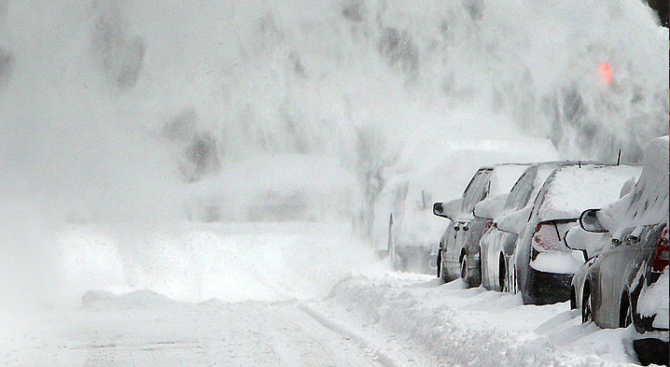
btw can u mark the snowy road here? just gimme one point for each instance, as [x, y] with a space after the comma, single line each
[195, 295]
[145, 329]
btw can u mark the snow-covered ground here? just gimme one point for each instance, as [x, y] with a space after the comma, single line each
[280, 294]
[121, 119]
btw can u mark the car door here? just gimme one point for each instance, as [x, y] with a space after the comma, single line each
[476, 191]
[469, 226]
[615, 264]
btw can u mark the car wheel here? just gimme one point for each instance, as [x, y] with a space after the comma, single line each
[464, 267]
[587, 306]
[626, 314]
[438, 262]
[511, 282]
[502, 274]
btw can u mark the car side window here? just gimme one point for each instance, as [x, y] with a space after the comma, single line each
[477, 190]
[539, 199]
[518, 197]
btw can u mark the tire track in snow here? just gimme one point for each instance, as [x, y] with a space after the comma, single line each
[380, 358]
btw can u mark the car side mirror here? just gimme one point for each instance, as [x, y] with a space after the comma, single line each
[567, 241]
[589, 221]
[589, 243]
[514, 222]
[438, 209]
[490, 208]
[449, 210]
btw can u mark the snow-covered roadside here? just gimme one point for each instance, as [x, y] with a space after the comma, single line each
[281, 294]
[418, 321]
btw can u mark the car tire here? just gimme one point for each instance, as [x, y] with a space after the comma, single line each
[444, 272]
[438, 262]
[464, 267]
[626, 312]
[502, 274]
[587, 306]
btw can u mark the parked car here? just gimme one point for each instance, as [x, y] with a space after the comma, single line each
[459, 252]
[497, 247]
[403, 224]
[625, 279]
[543, 264]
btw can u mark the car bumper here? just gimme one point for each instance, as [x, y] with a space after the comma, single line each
[652, 350]
[546, 288]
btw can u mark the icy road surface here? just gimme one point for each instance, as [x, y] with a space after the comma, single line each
[291, 294]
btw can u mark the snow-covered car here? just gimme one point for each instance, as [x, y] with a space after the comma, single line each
[625, 279]
[403, 224]
[543, 264]
[459, 252]
[415, 230]
[497, 246]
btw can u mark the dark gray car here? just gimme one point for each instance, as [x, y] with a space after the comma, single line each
[628, 255]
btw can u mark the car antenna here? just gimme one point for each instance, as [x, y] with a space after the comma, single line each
[618, 159]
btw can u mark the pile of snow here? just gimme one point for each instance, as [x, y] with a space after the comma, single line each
[232, 262]
[654, 301]
[473, 327]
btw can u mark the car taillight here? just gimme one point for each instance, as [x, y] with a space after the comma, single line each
[661, 259]
[548, 236]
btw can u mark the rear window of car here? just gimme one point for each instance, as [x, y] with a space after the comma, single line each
[572, 189]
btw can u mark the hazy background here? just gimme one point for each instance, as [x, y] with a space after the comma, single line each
[139, 111]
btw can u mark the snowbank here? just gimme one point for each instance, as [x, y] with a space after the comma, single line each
[474, 327]
[195, 261]
[653, 300]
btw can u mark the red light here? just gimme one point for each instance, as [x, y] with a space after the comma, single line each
[605, 72]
